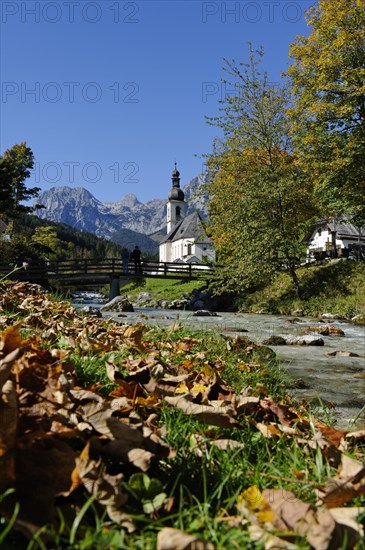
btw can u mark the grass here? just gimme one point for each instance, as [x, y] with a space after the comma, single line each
[337, 288]
[203, 483]
[205, 487]
[162, 289]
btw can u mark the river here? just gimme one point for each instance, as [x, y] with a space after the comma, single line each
[337, 381]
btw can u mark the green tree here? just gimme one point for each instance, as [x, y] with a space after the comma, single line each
[259, 200]
[15, 166]
[47, 240]
[328, 82]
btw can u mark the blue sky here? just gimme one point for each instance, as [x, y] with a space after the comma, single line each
[109, 93]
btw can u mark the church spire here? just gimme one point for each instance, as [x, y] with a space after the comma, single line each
[176, 206]
[176, 193]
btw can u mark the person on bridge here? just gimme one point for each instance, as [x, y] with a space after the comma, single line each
[125, 259]
[136, 257]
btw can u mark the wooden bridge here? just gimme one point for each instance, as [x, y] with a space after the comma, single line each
[99, 272]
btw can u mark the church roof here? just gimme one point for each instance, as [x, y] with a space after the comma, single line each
[190, 227]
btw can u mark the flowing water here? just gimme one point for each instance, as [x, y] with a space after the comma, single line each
[337, 381]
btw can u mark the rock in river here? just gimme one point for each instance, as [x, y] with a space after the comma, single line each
[120, 303]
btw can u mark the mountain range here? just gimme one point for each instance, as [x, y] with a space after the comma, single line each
[127, 221]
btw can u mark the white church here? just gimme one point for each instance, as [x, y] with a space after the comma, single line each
[186, 240]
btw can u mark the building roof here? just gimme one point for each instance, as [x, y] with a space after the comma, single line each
[190, 227]
[343, 230]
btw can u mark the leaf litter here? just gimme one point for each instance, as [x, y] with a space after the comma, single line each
[57, 436]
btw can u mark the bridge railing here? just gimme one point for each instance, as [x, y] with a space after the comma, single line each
[106, 266]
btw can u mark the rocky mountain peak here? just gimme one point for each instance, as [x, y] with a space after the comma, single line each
[79, 208]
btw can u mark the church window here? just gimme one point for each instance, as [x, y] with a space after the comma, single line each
[178, 212]
[189, 249]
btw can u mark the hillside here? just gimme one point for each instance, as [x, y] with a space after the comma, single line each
[70, 243]
[337, 287]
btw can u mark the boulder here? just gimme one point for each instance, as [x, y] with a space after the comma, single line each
[359, 319]
[274, 341]
[325, 330]
[144, 298]
[199, 304]
[202, 299]
[307, 340]
[179, 304]
[342, 354]
[331, 316]
[119, 303]
[204, 313]
[94, 311]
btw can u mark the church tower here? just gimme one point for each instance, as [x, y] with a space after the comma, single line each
[176, 206]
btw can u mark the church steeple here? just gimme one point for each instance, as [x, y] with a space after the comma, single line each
[176, 206]
[176, 193]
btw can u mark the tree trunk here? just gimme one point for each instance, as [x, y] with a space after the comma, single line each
[295, 281]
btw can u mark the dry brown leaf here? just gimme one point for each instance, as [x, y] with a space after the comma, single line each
[347, 484]
[200, 444]
[8, 417]
[133, 335]
[267, 540]
[348, 518]
[283, 413]
[247, 404]
[299, 517]
[333, 436]
[174, 539]
[6, 364]
[268, 430]
[43, 471]
[217, 414]
[11, 339]
[106, 488]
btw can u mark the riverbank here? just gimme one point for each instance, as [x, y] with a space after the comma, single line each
[339, 359]
[132, 436]
[337, 287]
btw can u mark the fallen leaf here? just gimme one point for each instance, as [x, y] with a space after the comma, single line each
[11, 339]
[174, 539]
[348, 483]
[218, 415]
[8, 417]
[268, 430]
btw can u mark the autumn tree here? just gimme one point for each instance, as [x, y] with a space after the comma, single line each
[259, 200]
[328, 81]
[15, 166]
[47, 240]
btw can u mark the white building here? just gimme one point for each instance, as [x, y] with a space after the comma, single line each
[346, 235]
[186, 240]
